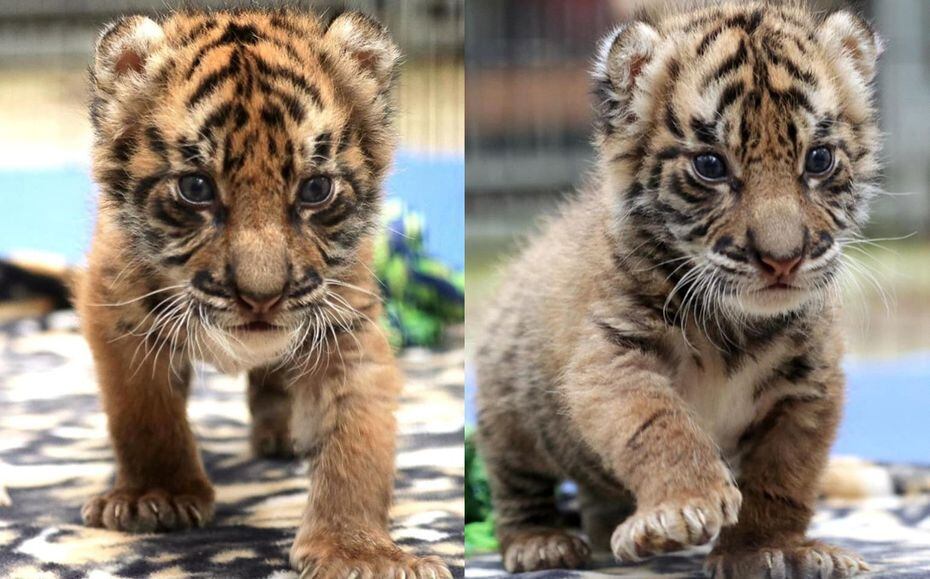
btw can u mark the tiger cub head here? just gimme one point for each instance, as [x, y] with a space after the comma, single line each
[740, 144]
[242, 153]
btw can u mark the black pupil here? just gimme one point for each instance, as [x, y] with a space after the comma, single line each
[196, 189]
[316, 190]
[710, 166]
[819, 160]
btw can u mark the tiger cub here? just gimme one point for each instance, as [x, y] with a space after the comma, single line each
[670, 341]
[240, 157]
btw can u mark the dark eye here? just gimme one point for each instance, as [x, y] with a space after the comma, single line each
[819, 160]
[315, 190]
[196, 189]
[710, 166]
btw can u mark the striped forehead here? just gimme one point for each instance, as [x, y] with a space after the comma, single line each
[252, 99]
[748, 73]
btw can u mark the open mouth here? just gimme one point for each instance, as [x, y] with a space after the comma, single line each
[256, 327]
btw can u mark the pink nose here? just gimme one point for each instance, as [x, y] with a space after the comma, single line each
[260, 304]
[780, 268]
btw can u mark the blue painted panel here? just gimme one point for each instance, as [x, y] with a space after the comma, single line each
[434, 187]
[887, 415]
[48, 210]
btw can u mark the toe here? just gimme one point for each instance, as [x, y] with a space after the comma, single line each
[545, 550]
[532, 555]
[775, 563]
[92, 512]
[512, 558]
[432, 568]
[114, 512]
[625, 539]
[146, 518]
[565, 552]
[844, 565]
[701, 526]
[164, 511]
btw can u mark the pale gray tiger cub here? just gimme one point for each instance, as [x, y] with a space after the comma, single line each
[670, 341]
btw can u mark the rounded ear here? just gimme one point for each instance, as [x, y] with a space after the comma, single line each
[123, 49]
[368, 44]
[853, 40]
[623, 55]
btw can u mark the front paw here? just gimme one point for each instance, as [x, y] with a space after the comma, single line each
[535, 550]
[811, 560]
[675, 525]
[148, 511]
[358, 558]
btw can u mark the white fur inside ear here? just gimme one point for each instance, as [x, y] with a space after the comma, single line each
[367, 44]
[124, 47]
[622, 58]
[853, 40]
[624, 53]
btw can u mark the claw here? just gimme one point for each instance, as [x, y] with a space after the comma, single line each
[192, 510]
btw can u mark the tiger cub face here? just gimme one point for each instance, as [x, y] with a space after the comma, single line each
[242, 153]
[742, 143]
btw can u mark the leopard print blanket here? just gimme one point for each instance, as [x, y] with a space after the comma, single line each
[890, 528]
[54, 454]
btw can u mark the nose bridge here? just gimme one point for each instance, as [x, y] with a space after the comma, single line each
[258, 245]
[776, 222]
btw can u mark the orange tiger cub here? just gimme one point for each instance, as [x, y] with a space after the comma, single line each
[670, 340]
[240, 157]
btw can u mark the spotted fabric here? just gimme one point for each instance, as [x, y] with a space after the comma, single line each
[54, 454]
[892, 533]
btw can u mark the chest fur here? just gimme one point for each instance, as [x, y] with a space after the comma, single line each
[725, 397]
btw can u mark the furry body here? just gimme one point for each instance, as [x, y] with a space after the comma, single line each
[670, 341]
[241, 157]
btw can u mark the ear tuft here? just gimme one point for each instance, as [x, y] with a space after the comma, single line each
[622, 57]
[123, 48]
[368, 44]
[854, 40]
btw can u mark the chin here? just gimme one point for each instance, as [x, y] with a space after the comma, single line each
[237, 351]
[771, 302]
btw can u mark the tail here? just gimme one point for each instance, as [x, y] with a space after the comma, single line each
[34, 288]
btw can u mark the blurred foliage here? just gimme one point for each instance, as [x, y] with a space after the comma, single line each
[422, 295]
[479, 520]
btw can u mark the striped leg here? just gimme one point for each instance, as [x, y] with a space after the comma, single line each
[785, 455]
[270, 405]
[344, 425]
[528, 523]
[161, 484]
